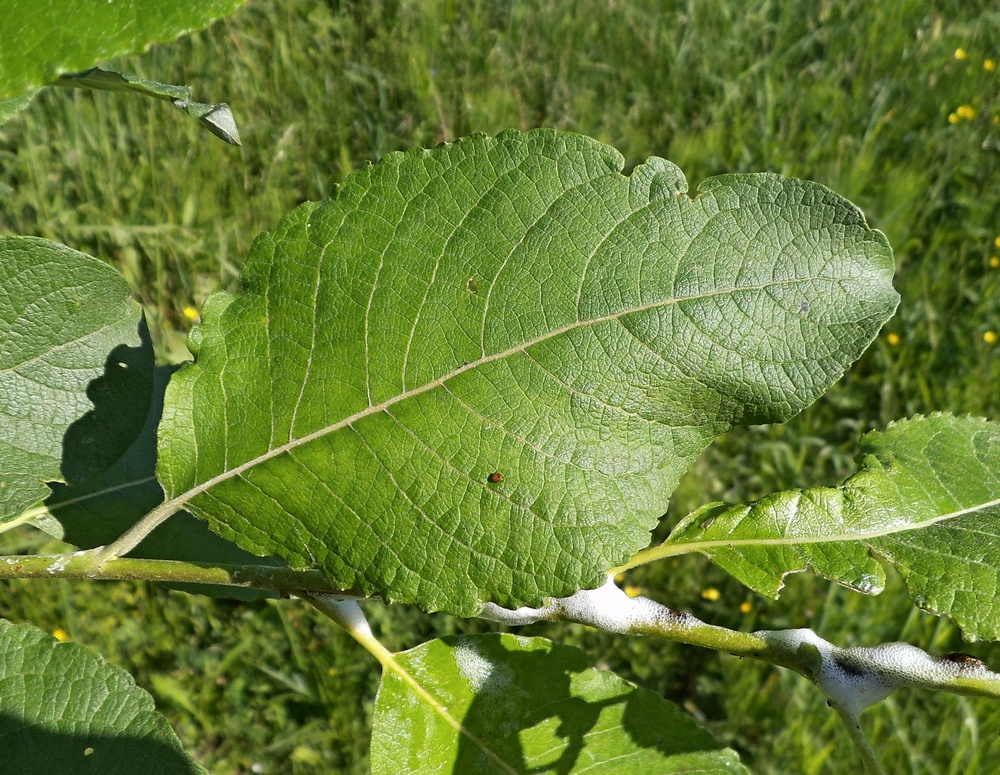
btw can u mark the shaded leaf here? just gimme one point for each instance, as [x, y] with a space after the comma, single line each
[93, 510]
[529, 705]
[42, 41]
[926, 500]
[514, 306]
[63, 709]
[79, 408]
[69, 337]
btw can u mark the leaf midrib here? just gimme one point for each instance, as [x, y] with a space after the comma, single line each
[179, 501]
[707, 546]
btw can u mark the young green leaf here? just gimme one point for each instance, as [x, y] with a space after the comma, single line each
[43, 41]
[65, 710]
[506, 704]
[70, 338]
[510, 305]
[926, 500]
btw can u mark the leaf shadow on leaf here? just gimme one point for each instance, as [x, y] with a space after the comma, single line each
[37, 749]
[549, 722]
[121, 398]
[109, 466]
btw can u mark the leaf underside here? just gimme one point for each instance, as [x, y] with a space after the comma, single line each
[529, 705]
[65, 710]
[216, 117]
[926, 500]
[79, 407]
[478, 372]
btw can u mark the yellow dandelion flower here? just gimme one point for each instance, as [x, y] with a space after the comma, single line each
[190, 313]
[892, 339]
[989, 65]
[619, 578]
[953, 118]
[711, 594]
[960, 53]
[632, 590]
[60, 635]
[745, 607]
[995, 262]
[996, 119]
[966, 111]
[996, 242]
[990, 337]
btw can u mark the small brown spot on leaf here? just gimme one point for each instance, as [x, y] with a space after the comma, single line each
[495, 478]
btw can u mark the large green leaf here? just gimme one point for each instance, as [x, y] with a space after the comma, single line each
[926, 499]
[63, 710]
[479, 371]
[41, 41]
[75, 370]
[505, 704]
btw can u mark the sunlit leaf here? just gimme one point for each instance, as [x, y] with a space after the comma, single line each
[514, 306]
[75, 371]
[11, 107]
[505, 704]
[44, 40]
[926, 500]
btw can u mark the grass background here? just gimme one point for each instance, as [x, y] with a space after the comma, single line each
[863, 97]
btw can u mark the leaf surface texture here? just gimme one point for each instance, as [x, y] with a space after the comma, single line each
[65, 710]
[527, 705]
[515, 306]
[71, 339]
[926, 500]
[37, 47]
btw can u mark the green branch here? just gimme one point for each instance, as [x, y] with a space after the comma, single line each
[87, 565]
[853, 678]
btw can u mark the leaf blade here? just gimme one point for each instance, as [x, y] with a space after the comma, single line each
[926, 500]
[217, 118]
[66, 710]
[507, 305]
[39, 48]
[529, 705]
[69, 326]
[94, 509]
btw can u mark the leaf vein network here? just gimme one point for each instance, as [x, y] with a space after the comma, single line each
[444, 248]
